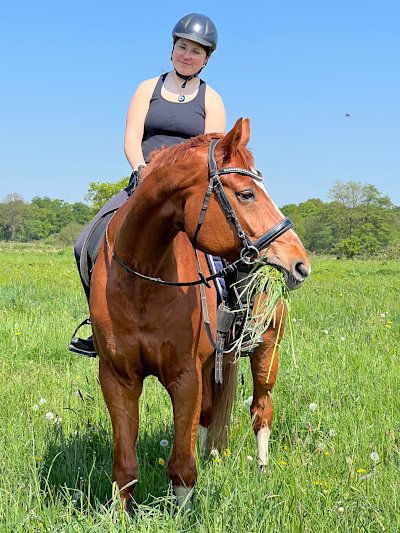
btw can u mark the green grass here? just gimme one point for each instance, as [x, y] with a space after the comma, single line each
[55, 476]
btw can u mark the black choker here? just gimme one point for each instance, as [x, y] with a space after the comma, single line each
[186, 78]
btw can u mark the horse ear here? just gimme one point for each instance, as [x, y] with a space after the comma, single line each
[245, 132]
[231, 140]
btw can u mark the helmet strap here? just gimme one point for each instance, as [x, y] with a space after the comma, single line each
[186, 78]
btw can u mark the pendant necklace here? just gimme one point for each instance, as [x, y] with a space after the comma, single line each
[181, 97]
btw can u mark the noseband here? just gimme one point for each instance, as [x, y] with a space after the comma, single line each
[250, 252]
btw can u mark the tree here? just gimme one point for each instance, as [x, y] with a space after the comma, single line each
[11, 216]
[100, 192]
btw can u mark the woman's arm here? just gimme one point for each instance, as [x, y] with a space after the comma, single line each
[215, 112]
[135, 122]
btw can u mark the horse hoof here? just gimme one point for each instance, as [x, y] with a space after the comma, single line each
[262, 470]
[183, 497]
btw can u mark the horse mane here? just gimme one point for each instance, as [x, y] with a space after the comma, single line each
[167, 156]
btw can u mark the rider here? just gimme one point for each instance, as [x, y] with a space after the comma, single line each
[166, 110]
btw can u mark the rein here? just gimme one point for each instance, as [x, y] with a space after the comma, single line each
[249, 250]
[249, 254]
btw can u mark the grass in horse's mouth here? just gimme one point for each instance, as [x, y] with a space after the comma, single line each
[268, 285]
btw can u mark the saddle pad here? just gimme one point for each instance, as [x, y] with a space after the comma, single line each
[91, 246]
[215, 265]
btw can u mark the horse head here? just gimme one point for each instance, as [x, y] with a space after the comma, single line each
[253, 207]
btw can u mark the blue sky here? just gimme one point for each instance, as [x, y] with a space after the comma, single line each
[68, 71]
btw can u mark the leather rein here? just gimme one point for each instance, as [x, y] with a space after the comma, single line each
[250, 252]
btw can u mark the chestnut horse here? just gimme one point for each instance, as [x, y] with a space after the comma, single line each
[141, 328]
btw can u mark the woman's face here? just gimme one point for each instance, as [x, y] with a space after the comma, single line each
[188, 57]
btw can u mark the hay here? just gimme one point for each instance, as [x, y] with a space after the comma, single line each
[268, 284]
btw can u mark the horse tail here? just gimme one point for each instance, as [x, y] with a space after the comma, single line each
[223, 397]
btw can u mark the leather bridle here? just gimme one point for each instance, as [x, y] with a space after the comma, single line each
[250, 252]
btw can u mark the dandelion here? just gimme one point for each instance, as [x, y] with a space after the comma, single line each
[332, 432]
[389, 322]
[37, 459]
[50, 415]
[342, 338]
[78, 377]
[361, 471]
[349, 460]
[17, 333]
[217, 460]
[294, 320]
[248, 402]
[374, 457]
[326, 453]
[383, 315]
[285, 447]
[313, 406]
[227, 453]
[340, 510]
[318, 483]
[42, 401]
[35, 407]
[249, 458]
[153, 397]
[161, 461]
[371, 321]
[164, 443]
[325, 331]
[387, 326]
[283, 463]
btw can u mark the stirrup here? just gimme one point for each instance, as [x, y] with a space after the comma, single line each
[82, 346]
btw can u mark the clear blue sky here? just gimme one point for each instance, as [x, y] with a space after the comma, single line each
[68, 71]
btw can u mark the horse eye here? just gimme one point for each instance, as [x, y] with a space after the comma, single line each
[246, 196]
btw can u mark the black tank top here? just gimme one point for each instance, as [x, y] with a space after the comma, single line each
[171, 123]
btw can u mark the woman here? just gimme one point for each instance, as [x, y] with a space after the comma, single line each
[167, 110]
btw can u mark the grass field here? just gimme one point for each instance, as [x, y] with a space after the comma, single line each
[334, 450]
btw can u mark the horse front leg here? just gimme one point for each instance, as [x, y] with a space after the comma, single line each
[185, 389]
[264, 368]
[123, 405]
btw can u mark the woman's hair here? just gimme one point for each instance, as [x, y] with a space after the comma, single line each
[207, 49]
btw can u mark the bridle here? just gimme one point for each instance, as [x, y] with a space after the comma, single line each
[250, 252]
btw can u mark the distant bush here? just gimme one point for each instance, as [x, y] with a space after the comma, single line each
[67, 236]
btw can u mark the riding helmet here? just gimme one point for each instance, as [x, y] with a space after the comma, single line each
[198, 28]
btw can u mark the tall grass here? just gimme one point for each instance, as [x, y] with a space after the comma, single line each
[334, 451]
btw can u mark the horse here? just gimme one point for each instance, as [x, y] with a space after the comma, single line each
[145, 325]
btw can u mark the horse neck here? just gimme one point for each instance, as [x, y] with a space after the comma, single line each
[148, 224]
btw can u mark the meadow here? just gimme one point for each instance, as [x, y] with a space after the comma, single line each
[334, 450]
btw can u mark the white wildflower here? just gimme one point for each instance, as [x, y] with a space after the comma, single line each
[332, 432]
[383, 315]
[58, 420]
[42, 401]
[374, 457]
[164, 443]
[313, 406]
[214, 452]
[248, 402]
[349, 460]
[294, 320]
[325, 331]
[342, 338]
[249, 458]
[50, 415]
[35, 407]
[340, 510]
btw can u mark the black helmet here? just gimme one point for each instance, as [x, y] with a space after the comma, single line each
[197, 28]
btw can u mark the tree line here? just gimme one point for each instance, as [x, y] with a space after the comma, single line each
[358, 220]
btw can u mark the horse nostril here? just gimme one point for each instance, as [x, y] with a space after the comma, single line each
[300, 270]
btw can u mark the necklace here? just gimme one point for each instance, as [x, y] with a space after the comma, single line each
[182, 96]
